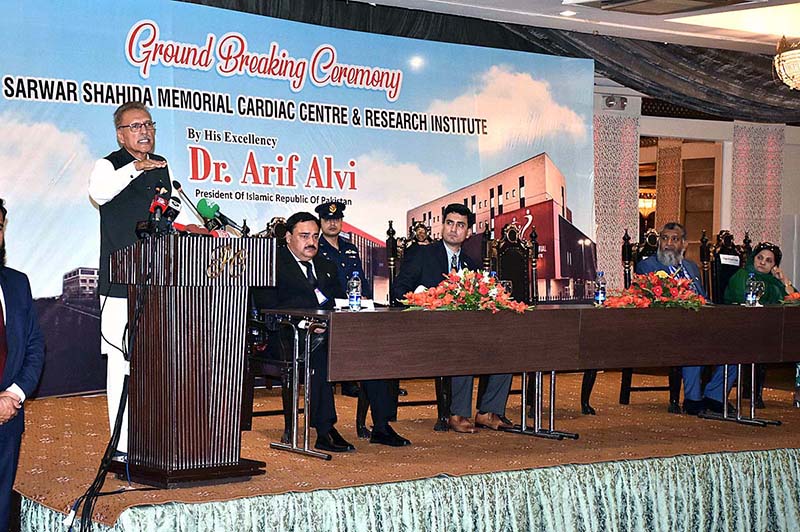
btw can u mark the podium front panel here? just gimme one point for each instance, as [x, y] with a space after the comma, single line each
[186, 377]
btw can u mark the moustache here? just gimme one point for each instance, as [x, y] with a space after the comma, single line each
[310, 247]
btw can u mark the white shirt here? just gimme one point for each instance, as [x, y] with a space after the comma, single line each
[105, 183]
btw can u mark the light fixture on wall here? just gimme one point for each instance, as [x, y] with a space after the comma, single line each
[787, 63]
[617, 103]
[647, 203]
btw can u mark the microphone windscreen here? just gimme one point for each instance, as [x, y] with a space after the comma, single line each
[206, 209]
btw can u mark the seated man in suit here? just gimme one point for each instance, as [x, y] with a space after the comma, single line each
[669, 258]
[425, 269]
[305, 280]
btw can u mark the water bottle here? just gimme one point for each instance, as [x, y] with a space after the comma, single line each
[751, 291]
[600, 289]
[354, 292]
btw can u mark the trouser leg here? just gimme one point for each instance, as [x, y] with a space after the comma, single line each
[323, 408]
[496, 394]
[379, 395]
[112, 325]
[461, 403]
[714, 388]
[692, 389]
[9, 458]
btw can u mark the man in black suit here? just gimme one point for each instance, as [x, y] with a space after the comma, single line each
[21, 360]
[307, 280]
[425, 269]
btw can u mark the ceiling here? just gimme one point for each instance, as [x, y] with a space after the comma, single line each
[753, 26]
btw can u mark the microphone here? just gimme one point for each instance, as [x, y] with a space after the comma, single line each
[211, 210]
[157, 207]
[173, 209]
[177, 186]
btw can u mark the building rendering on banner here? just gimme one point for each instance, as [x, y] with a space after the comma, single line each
[80, 284]
[530, 193]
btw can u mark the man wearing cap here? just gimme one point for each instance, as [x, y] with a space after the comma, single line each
[344, 255]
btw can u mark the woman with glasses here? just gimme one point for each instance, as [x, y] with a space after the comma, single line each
[773, 285]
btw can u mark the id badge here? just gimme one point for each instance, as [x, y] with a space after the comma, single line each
[321, 299]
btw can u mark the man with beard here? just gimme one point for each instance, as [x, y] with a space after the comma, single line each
[306, 280]
[669, 259]
[21, 360]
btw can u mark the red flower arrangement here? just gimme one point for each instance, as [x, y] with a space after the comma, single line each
[657, 289]
[792, 300]
[466, 290]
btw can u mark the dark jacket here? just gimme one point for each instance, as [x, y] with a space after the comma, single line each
[651, 264]
[427, 267]
[25, 343]
[293, 291]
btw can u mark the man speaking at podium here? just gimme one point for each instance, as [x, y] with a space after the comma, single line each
[307, 280]
[125, 185]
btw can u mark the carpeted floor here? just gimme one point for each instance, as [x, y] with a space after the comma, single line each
[65, 438]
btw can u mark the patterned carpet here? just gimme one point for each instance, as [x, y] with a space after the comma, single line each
[65, 437]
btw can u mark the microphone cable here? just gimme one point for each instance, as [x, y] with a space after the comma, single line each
[90, 496]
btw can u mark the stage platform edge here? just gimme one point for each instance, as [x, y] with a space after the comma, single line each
[734, 491]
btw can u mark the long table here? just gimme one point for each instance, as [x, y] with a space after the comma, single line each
[396, 343]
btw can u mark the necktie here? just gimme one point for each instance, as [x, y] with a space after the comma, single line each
[309, 272]
[3, 344]
[454, 262]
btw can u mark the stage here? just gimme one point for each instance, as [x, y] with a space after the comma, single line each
[634, 467]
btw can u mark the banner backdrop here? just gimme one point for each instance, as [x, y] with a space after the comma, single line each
[264, 117]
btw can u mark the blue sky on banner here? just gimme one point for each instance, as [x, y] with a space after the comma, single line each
[531, 103]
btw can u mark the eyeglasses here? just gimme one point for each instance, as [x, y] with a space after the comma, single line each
[136, 126]
[670, 238]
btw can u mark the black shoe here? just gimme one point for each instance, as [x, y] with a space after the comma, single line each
[693, 407]
[333, 442]
[442, 425]
[387, 436]
[587, 410]
[759, 402]
[402, 392]
[716, 406]
[350, 389]
[674, 407]
[286, 437]
[363, 432]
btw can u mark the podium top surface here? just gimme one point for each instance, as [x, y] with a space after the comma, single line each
[175, 260]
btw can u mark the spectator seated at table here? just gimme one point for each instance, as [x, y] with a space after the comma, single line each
[773, 286]
[670, 259]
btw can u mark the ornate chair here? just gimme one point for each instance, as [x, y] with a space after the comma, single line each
[257, 365]
[512, 257]
[396, 250]
[725, 258]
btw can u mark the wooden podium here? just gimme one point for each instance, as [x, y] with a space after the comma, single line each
[188, 359]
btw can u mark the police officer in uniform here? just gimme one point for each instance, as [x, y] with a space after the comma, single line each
[344, 255]
[338, 250]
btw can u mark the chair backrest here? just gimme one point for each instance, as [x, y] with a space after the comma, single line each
[634, 252]
[726, 258]
[512, 258]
